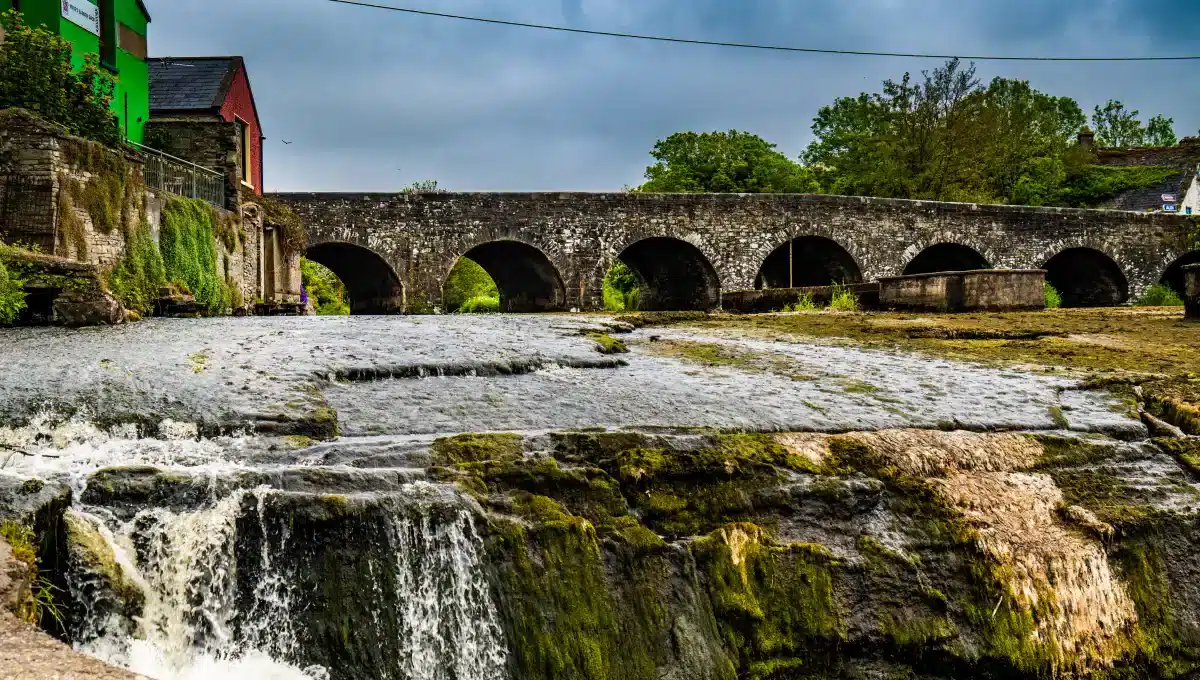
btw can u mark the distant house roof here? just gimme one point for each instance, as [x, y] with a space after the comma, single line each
[190, 84]
[1185, 156]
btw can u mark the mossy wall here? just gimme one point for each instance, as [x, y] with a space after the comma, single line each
[619, 555]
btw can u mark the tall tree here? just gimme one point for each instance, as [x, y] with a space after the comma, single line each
[1160, 131]
[945, 137]
[1117, 127]
[723, 162]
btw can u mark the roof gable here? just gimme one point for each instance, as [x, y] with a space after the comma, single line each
[190, 84]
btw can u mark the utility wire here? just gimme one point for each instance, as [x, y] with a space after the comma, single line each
[750, 46]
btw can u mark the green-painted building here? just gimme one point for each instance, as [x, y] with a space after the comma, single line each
[114, 29]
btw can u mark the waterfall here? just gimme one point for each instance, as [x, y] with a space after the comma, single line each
[231, 591]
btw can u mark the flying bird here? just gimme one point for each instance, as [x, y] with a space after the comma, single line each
[285, 141]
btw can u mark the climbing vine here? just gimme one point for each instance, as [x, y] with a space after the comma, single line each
[189, 253]
[136, 279]
[293, 237]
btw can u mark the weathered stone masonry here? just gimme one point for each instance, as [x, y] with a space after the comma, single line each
[421, 236]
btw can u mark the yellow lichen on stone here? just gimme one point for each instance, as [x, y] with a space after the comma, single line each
[1083, 616]
[933, 453]
[91, 551]
[813, 448]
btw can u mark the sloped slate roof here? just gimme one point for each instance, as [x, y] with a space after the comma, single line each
[196, 84]
[1150, 198]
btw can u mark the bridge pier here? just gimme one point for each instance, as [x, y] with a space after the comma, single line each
[1192, 291]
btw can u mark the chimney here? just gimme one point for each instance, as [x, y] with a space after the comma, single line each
[1087, 138]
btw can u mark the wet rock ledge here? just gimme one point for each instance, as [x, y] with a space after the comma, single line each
[701, 555]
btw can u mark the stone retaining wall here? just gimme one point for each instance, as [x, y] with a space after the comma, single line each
[979, 290]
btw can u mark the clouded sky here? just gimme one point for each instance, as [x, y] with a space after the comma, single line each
[373, 100]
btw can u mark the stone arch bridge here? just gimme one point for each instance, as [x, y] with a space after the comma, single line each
[551, 251]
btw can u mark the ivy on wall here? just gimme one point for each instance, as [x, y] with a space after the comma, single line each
[137, 278]
[189, 252]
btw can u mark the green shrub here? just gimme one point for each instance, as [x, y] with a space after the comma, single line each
[1053, 298]
[326, 290]
[622, 288]
[481, 304]
[1160, 295]
[805, 303]
[136, 280]
[12, 296]
[36, 75]
[189, 253]
[467, 280]
[844, 299]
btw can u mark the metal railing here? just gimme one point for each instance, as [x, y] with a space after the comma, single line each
[165, 172]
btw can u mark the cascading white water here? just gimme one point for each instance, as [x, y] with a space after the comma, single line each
[447, 612]
[191, 626]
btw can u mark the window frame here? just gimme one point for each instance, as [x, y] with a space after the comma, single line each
[109, 34]
[247, 159]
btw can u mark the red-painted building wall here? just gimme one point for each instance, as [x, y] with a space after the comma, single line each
[239, 103]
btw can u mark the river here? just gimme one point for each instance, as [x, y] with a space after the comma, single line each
[189, 447]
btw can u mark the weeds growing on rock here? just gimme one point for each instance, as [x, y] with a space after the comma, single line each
[803, 303]
[844, 299]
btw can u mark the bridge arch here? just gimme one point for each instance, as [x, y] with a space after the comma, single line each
[1173, 276]
[371, 284]
[526, 278]
[676, 275]
[1087, 277]
[946, 257]
[815, 261]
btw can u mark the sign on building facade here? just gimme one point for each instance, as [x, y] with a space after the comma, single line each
[83, 14]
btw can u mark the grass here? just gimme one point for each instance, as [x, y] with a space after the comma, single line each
[1159, 295]
[843, 300]
[1053, 297]
[480, 304]
[804, 303]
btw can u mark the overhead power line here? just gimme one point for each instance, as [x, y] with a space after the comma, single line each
[750, 46]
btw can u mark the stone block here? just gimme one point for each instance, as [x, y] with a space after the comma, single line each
[980, 290]
[91, 310]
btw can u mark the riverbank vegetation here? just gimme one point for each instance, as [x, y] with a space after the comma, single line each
[469, 289]
[324, 288]
[12, 294]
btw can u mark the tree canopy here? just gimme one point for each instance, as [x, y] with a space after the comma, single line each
[1120, 128]
[723, 162]
[947, 137]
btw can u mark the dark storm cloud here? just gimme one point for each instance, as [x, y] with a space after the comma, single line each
[373, 100]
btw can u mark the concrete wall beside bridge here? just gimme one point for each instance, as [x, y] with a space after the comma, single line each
[551, 251]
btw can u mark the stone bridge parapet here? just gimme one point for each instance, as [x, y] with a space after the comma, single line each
[552, 250]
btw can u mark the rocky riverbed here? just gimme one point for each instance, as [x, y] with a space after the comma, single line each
[495, 497]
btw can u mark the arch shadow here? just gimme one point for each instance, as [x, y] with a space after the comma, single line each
[1086, 277]
[815, 261]
[676, 276]
[946, 257]
[371, 284]
[1173, 276]
[526, 278]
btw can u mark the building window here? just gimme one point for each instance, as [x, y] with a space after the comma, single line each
[247, 156]
[108, 34]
